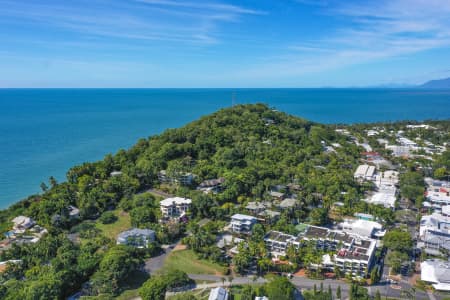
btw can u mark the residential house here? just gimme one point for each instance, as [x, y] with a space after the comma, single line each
[74, 212]
[434, 232]
[255, 208]
[269, 216]
[22, 223]
[218, 293]
[140, 238]
[277, 196]
[288, 203]
[436, 272]
[438, 192]
[211, 185]
[364, 172]
[242, 223]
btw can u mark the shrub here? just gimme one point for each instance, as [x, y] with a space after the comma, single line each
[108, 217]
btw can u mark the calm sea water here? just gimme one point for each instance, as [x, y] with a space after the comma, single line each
[43, 132]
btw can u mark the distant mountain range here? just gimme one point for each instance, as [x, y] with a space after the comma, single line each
[436, 84]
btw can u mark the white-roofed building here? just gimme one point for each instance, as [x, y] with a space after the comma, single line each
[389, 178]
[22, 223]
[218, 293]
[74, 212]
[437, 272]
[365, 228]
[115, 173]
[385, 196]
[242, 223]
[434, 232]
[438, 192]
[174, 207]
[399, 151]
[365, 172]
[140, 238]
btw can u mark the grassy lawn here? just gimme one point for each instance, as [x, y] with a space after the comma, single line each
[187, 261]
[112, 230]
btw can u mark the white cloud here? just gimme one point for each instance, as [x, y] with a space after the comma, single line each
[375, 30]
[141, 20]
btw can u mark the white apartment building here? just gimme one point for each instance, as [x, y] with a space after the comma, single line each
[365, 228]
[174, 207]
[353, 254]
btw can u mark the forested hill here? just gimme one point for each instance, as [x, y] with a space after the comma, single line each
[252, 146]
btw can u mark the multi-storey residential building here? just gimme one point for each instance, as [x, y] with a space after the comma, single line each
[181, 178]
[140, 238]
[174, 207]
[242, 223]
[353, 254]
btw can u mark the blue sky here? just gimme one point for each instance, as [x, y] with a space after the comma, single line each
[220, 43]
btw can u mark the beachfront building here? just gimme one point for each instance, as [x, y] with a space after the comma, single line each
[364, 172]
[174, 207]
[242, 223]
[436, 272]
[434, 232]
[22, 223]
[136, 237]
[218, 293]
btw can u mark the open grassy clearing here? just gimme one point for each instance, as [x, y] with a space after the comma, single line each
[112, 230]
[187, 261]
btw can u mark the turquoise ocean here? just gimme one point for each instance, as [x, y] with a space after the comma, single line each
[43, 132]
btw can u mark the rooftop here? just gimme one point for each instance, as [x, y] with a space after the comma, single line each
[175, 200]
[287, 203]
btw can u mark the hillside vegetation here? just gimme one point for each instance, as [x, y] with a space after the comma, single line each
[252, 146]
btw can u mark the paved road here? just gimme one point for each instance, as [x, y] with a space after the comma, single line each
[156, 263]
[160, 193]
